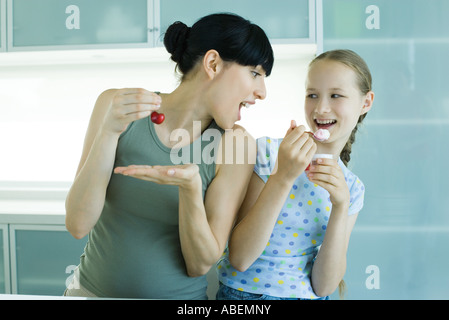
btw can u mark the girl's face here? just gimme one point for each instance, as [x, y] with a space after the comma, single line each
[236, 87]
[334, 101]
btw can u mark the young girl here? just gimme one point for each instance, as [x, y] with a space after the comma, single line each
[293, 228]
[156, 236]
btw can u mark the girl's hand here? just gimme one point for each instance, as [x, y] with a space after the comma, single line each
[128, 105]
[185, 176]
[295, 152]
[329, 175]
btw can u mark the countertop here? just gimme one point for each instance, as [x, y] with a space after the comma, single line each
[32, 212]
[33, 297]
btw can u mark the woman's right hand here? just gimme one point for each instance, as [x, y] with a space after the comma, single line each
[295, 152]
[128, 105]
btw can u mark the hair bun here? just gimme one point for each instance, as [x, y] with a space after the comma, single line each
[175, 40]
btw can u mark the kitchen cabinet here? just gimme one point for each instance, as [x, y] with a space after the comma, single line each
[78, 24]
[286, 21]
[37, 254]
[401, 147]
[2, 25]
[43, 257]
[4, 259]
[84, 24]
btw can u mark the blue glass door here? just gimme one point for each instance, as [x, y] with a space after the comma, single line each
[286, 19]
[399, 244]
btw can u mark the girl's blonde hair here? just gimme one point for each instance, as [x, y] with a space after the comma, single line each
[364, 83]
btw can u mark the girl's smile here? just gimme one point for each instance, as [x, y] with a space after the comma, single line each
[333, 102]
[325, 123]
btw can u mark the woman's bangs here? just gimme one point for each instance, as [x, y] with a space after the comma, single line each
[257, 51]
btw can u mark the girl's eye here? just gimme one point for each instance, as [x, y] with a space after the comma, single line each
[255, 74]
[334, 96]
[312, 96]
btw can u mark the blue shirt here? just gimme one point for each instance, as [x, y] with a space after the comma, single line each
[284, 267]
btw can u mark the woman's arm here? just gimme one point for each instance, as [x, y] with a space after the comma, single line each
[204, 225]
[257, 218]
[113, 111]
[205, 231]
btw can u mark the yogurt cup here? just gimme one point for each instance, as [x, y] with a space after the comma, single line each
[319, 156]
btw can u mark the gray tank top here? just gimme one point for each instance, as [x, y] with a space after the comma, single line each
[134, 249]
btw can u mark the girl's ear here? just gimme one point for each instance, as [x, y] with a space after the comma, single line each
[369, 99]
[212, 63]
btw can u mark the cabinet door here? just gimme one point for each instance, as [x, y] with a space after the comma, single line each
[4, 260]
[2, 25]
[401, 149]
[72, 24]
[42, 258]
[290, 21]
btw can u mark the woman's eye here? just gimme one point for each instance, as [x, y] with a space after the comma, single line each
[312, 96]
[255, 74]
[335, 96]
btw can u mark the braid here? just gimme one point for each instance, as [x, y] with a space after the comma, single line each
[345, 154]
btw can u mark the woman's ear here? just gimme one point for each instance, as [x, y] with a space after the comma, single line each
[369, 99]
[212, 63]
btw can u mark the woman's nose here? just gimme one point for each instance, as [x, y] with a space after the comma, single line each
[261, 91]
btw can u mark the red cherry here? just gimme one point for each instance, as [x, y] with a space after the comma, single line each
[157, 118]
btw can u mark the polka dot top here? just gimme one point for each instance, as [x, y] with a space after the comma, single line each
[284, 267]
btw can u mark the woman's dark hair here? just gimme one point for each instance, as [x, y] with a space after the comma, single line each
[233, 37]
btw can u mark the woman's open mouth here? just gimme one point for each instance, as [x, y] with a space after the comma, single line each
[245, 104]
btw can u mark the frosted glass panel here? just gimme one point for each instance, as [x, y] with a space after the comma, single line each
[286, 19]
[398, 19]
[2, 25]
[2, 263]
[401, 150]
[42, 258]
[78, 22]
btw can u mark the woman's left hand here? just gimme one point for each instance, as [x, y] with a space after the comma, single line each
[329, 175]
[185, 176]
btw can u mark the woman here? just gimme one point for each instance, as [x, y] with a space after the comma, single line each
[158, 235]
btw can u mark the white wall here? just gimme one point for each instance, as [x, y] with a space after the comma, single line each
[46, 99]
